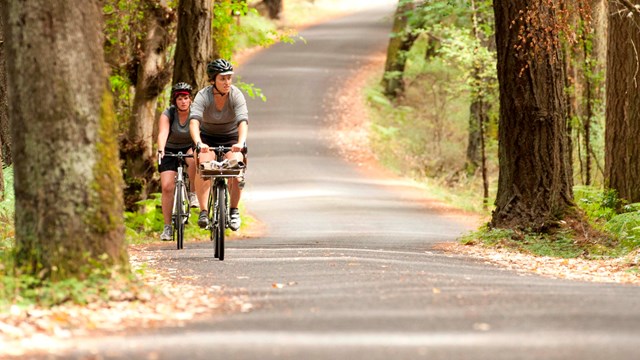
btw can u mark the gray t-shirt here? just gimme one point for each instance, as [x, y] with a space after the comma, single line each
[214, 122]
[179, 136]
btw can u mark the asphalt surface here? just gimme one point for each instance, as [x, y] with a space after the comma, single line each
[358, 274]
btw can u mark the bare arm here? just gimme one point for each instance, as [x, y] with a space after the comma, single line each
[243, 129]
[163, 132]
[194, 130]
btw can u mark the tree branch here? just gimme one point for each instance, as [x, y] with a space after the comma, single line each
[635, 9]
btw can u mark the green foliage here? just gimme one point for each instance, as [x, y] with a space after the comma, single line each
[25, 289]
[598, 204]
[617, 234]
[237, 27]
[559, 244]
[147, 219]
[250, 89]
[7, 205]
[123, 27]
[626, 226]
[255, 30]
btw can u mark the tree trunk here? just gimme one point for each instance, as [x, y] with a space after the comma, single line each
[194, 42]
[534, 185]
[622, 154]
[399, 43]
[154, 73]
[5, 139]
[272, 8]
[68, 186]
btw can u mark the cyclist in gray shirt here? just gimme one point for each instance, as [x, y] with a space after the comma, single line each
[219, 117]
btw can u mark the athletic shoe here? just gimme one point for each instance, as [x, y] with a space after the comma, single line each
[193, 200]
[167, 233]
[234, 221]
[203, 219]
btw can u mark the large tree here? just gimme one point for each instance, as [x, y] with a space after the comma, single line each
[5, 141]
[622, 154]
[401, 40]
[4, 118]
[535, 180]
[68, 185]
[194, 44]
[153, 73]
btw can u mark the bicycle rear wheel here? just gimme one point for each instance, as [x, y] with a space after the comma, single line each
[221, 218]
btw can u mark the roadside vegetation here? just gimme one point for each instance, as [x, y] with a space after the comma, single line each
[424, 124]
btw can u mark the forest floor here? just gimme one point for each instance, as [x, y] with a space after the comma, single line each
[152, 302]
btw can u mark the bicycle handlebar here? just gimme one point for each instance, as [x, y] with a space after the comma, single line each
[178, 155]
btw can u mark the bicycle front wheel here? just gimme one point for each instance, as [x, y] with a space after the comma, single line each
[221, 218]
[178, 219]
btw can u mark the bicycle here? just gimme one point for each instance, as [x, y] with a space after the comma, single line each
[180, 211]
[218, 171]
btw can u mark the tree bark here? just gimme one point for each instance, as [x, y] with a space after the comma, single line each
[399, 44]
[535, 180]
[5, 138]
[154, 73]
[194, 43]
[622, 154]
[273, 8]
[68, 188]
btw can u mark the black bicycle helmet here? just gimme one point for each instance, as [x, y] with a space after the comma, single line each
[219, 66]
[181, 88]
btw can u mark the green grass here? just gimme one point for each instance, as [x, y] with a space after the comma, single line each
[560, 244]
[145, 225]
[613, 233]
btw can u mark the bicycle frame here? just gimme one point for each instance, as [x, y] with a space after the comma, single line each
[180, 210]
[218, 201]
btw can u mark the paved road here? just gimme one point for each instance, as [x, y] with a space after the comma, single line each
[361, 278]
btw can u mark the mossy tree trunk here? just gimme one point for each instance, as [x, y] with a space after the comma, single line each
[5, 139]
[622, 149]
[194, 43]
[535, 180]
[400, 42]
[68, 186]
[153, 75]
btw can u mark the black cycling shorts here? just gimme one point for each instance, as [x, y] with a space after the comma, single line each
[219, 140]
[170, 163]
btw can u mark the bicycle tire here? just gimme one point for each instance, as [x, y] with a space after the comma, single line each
[178, 224]
[211, 215]
[221, 217]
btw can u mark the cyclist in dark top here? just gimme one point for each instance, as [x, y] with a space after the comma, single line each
[219, 117]
[174, 137]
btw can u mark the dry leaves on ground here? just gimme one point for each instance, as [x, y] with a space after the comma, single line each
[620, 270]
[161, 301]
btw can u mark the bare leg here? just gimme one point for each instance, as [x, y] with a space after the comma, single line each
[167, 182]
[191, 171]
[234, 190]
[202, 186]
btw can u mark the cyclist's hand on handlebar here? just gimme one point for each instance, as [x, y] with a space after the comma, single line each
[160, 156]
[202, 147]
[237, 147]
